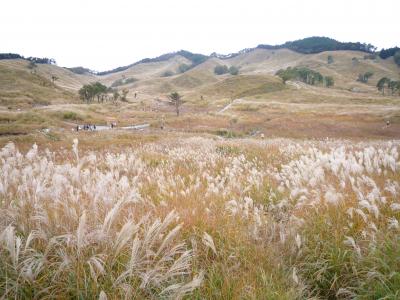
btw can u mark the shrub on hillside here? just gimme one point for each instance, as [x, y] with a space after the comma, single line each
[329, 81]
[70, 115]
[220, 70]
[364, 77]
[183, 68]
[167, 73]
[233, 70]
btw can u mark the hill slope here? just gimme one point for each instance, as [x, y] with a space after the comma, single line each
[20, 87]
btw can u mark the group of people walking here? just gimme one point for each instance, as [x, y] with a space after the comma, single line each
[88, 127]
[93, 127]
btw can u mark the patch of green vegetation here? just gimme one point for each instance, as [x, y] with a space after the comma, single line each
[220, 70]
[385, 53]
[228, 150]
[305, 75]
[228, 133]
[223, 69]
[17, 129]
[123, 81]
[167, 73]
[183, 68]
[70, 115]
[364, 77]
[80, 70]
[317, 44]
[397, 58]
[233, 70]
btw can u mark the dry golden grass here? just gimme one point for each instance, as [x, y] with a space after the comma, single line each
[214, 206]
[275, 219]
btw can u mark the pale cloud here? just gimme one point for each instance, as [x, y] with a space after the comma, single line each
[106, 34]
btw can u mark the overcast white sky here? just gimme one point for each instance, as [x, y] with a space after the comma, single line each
[109, 33]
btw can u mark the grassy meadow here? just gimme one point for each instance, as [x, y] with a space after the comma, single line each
[259, 189]
[252, 219]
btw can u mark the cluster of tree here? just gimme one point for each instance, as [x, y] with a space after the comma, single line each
[320, 44]
[42, 60]
[97, 90]
[223, 69]
[81, 70]
[385, 53]
[305, 75]
[176, 100]
[392, 85]
[89, 91]
[397, 58]
[123, 81]
[10, 56]
[395, 52]
[37, 60]
[364, 77]
[194, 58]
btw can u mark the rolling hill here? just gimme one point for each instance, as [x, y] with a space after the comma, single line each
[256, 97]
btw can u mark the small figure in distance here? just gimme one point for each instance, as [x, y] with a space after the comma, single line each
[77, 128]
[387, 123]
[162, 122]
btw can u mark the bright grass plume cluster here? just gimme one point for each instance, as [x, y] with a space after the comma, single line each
[202, 218]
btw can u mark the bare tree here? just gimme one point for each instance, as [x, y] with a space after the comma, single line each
[124, 94]
[176, 99]
[116, 96]
[54, 78]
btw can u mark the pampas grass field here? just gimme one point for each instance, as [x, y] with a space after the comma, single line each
[201, 218]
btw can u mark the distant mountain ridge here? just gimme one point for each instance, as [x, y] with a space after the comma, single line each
[308, 45]
[195, 58]
[305, 46]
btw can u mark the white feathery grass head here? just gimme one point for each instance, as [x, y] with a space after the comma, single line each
[75, 149]
[209, 242]
[103, 296]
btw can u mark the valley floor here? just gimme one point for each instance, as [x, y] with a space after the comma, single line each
[289, 193]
